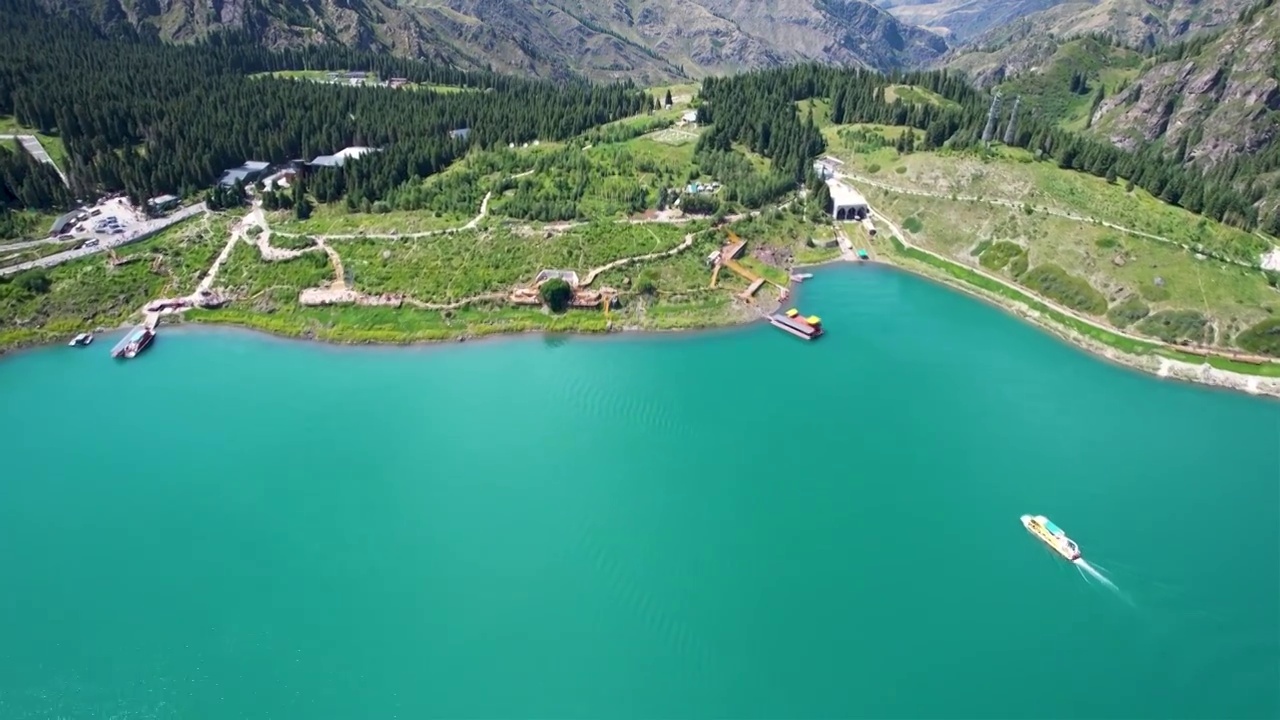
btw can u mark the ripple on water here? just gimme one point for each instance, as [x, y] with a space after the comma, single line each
[627, 586]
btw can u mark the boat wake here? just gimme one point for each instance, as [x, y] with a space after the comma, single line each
[1088, 571]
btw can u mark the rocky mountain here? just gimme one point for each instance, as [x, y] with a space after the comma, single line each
[1211, 100]
[1030, 43]
[962, 20]
[644, 40]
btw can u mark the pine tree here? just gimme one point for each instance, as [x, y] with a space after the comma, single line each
[666, 101]
[301, 205]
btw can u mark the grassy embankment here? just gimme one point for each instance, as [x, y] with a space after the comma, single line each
[1132, 283]
[449, 268]
[49, 305]
[664, 294]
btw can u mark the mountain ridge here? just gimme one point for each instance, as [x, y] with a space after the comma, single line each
[648, 41]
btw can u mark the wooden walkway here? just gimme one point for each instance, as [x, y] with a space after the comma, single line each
[737, 267]
[752, 289]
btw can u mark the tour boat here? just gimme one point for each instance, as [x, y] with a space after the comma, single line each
[81, 340]
[1052, 535]
[802, 327]
[133, 343]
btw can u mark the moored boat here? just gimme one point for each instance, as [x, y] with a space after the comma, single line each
[134, 343]
[1051, 535]
[81, 340]
[802, 327]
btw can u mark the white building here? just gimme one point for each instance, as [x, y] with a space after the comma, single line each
[340, 158]
[846, 203]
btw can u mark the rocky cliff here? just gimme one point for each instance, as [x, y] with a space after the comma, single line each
[1031, 42]
[1212, 100]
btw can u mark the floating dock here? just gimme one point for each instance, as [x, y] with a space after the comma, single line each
[807, 328]
[134, 343]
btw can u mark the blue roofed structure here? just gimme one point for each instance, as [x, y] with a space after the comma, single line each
[247, 172]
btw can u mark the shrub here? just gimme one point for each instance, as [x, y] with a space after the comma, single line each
[999, 255]
[913, 224]
[36, 282]
[873, 168]
[900, 169]
[1076, 293]
[556, 293]
[1263, 338]
[1174, 325]
[696, 204]
[1128, 312]
[1019, 266]
[647, 282]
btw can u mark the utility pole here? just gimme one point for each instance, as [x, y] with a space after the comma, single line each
[1011, 131]
[990, 130]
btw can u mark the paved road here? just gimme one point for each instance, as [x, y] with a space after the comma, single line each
[26, 244]
[32, 145]
[138, 232]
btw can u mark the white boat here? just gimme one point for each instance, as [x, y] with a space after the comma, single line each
[81, 340]
[1051, 535]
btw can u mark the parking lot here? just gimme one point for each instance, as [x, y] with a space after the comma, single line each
[116, 223]
[107, 223]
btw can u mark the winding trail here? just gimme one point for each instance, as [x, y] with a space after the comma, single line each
[593, 274]
[484, 210]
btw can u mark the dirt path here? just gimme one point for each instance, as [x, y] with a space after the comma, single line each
[237, 233]
[593, 274]
[1038, 208]
[339, 273]
[484, 210]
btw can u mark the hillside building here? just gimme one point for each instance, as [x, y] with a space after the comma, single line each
[248, 172]
[846, 203]
[340, 158]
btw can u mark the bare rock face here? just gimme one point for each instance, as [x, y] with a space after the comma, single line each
[1027, 43]
[1219, 103]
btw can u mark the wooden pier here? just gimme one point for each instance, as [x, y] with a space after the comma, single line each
[752, 289]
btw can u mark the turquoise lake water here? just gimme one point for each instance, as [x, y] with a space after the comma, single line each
[735, 524]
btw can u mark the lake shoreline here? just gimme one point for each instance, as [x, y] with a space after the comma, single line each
[1153, 364]
[1202, 374]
